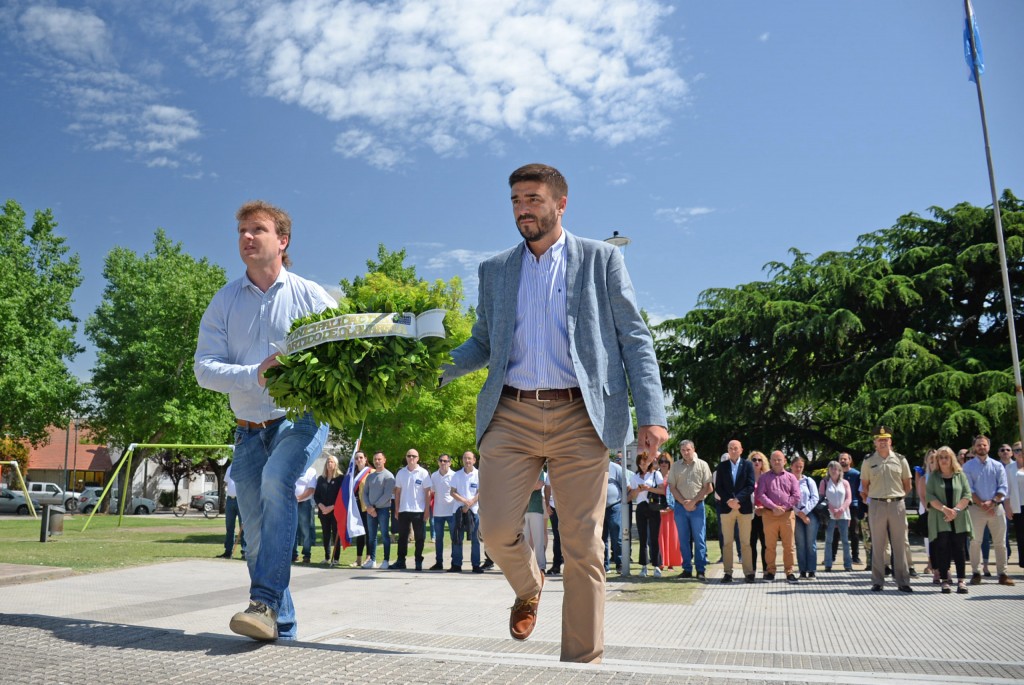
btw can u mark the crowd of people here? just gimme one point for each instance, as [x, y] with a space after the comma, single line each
[969, 501]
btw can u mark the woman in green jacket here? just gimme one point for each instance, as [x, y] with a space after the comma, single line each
[948, 494]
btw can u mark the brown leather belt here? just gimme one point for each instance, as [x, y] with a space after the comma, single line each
[254, 425]
[540, 395]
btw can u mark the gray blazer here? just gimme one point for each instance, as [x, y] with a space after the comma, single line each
[608, 340]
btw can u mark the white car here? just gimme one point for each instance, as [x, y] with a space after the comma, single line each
[136, 505]
[13, 502]
[53, 494]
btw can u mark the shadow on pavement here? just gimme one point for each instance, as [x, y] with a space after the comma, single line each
[91, 633]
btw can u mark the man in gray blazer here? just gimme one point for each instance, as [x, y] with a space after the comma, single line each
[560, 332]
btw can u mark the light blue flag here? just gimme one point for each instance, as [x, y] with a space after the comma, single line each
[976, 63]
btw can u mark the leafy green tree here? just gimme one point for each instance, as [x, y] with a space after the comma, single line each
[428, 419]
[37, 329]
[13, 450]
[145, 332]
[908, 328]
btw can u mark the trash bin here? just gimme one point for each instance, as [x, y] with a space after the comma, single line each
[56, 525]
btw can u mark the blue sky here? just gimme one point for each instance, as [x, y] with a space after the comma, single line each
[716, 135]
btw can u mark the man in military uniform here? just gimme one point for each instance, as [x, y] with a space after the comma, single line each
[885, 479]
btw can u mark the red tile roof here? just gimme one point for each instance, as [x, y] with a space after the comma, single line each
[51, 456]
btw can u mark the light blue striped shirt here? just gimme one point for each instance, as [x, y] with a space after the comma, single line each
[236, 333]
[986, 480]
[539, 358]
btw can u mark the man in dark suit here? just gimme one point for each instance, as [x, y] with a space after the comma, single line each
[559, 329]
[734, 484]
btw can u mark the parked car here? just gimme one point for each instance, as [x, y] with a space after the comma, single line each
[51, 493]
[136, 505]
[208, 501]
[13, 502]
[87, 500]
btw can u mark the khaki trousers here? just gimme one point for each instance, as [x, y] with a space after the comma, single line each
[776, 528]
[523, 435]
[888, 522]
[727, 523]
[996, 522]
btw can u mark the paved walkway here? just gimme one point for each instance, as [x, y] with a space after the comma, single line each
[167, 623]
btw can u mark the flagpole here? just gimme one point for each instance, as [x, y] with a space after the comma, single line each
[997, 215]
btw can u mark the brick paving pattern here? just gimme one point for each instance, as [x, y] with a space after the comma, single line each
[168, 623]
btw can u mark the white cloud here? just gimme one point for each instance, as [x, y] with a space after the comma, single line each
[109, 107]
[680, 215]
[166, 128]
[764, 37]
[445, 74]
[466, 259]
[398, 76]
[74, 35]
[462, 263]
[360, 143]
[660, 316]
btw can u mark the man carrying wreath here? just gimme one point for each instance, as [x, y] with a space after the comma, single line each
[560, 332]
[235, 335]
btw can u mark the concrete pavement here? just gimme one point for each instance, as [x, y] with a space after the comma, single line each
[168, 623]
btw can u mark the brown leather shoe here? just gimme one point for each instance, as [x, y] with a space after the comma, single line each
[524, 615]
[1005, 579]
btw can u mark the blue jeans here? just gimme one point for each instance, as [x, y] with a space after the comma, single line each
[305, 530]
[692, 527]
[806, 539]
[381, 522]
[466, 524]
[844, 534]
[612, 534]
[230, 514]
[267, 463]
[438, 527]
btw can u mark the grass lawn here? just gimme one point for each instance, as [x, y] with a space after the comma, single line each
[138, 541]
[150, 540]
[666, 590]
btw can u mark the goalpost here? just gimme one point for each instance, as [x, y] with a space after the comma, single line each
[126, 458]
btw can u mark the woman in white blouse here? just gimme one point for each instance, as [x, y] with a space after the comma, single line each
[806, 529]
[647, 490]
[837, 494]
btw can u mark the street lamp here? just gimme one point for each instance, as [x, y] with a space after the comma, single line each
[621, 241]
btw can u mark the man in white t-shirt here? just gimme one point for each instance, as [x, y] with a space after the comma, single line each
[466, 493]
[411, 487]
[305, 530]
[443, 509]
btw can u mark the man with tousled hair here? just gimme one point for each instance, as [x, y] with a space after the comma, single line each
[234, 351]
